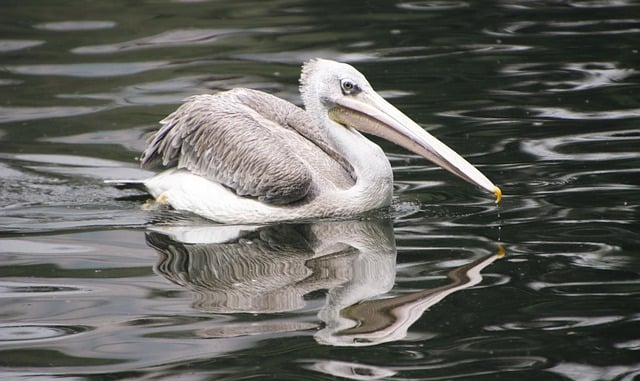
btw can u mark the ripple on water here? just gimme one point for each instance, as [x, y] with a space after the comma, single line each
[175, 90]
[255, 328]
[602, 3]
[26, 290]
[568, 114]
[130, 138]
[427, 6]
[592, 27]
[13, 45]
[89, 70]
[350, 370]
[20, 114]
[28, 333]
[581, 371]
[56, 179]
[76, 25]
[25, 247]
[473, 368]
[601, 272]
[498, 344]
[60, 192]
[591, 255]
[557, 323]
[630, 288]
[584, 147]
[180, 38]
[633, 345]
[564, 77]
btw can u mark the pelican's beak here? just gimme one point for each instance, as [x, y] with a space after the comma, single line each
[370, 113]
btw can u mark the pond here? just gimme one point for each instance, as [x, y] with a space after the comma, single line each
[543, 97]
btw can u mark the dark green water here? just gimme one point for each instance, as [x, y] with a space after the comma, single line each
[544, 97]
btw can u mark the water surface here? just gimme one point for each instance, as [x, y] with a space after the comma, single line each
[542, 96]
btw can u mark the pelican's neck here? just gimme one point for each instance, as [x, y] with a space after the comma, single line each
[370, 164]
[373, 175]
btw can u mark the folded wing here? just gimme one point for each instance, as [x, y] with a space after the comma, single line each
[223, 138]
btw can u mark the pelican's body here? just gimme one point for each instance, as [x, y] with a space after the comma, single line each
[300, 179]
[244, 156]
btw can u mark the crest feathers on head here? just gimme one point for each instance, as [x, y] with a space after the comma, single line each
[307, 69]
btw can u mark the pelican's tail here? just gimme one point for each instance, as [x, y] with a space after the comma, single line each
[128, 184]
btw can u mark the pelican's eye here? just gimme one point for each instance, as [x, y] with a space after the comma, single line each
[348, 87]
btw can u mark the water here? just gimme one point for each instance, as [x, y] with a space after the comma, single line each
[542, 96]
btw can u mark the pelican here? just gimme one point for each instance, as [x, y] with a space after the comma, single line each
[245, 156]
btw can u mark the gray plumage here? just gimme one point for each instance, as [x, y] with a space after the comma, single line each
[252, 142]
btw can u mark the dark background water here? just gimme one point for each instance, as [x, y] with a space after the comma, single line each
[544, 97]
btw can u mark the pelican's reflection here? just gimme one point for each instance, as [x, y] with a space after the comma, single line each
[382, 320]
[233, 269]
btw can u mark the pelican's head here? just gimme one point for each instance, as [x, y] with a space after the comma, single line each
[323, 82]
[344, 95]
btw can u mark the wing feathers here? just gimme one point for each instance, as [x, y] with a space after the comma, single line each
[223, 139]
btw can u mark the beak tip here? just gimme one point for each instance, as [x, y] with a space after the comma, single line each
[498, 194]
